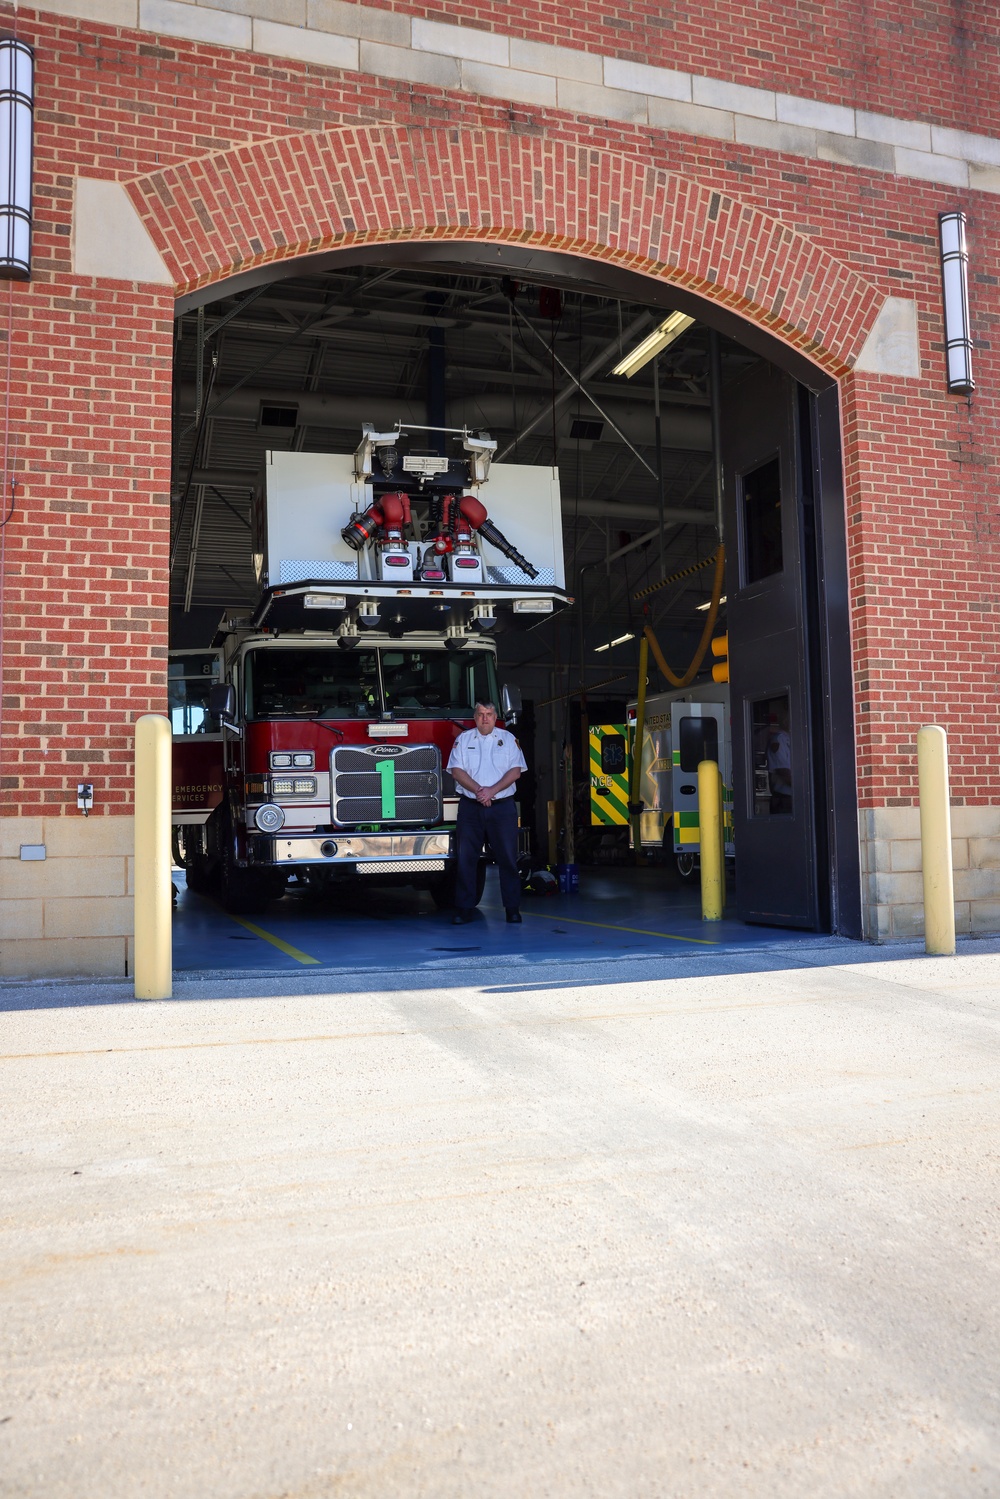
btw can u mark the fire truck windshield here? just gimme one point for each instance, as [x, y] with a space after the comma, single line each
[289, 682]
[437, 684]
[296, 682]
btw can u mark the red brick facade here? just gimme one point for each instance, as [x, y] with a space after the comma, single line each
[936, 61]
[234, 163]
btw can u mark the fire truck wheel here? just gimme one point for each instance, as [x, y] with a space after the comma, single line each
[200, 873]
[245, 892]
[200, 876]
[443, 890]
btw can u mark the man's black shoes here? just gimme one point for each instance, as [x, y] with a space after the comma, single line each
[514, 918]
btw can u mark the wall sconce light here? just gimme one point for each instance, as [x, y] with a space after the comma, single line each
[17, 107]
[955, 282]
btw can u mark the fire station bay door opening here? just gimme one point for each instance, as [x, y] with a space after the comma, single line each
[773, 796]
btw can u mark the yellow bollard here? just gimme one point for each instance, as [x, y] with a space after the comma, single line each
[935, 841]
[153, 949]
[713, 868]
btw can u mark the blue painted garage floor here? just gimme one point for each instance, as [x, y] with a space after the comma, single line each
[617, 913]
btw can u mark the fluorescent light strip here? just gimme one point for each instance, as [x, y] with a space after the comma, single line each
[620, 641]
[661, 338]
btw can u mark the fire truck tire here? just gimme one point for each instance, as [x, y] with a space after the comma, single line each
[245, 892]
[443, 890]
[200, 876]
[200, 873]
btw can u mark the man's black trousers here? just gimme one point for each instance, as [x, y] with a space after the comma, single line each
[497, 824]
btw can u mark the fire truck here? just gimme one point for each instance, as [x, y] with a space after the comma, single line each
[312, 739]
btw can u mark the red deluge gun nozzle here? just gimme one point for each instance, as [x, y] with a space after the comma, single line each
[476, 514]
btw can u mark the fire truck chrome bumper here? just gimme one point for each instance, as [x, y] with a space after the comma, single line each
[359, 849]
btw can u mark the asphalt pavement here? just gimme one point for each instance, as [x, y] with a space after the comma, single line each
[723, 1223]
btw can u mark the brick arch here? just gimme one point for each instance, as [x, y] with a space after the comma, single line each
[276, 199]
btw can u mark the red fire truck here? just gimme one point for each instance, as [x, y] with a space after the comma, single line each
[313, 738]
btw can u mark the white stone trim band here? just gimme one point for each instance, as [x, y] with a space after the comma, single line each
[387, 44]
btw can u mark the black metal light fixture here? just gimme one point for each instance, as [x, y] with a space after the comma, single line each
[955, 283]
[17, 107]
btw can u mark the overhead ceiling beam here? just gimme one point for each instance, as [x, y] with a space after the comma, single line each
[598, 361]
[683, 427]
[497, 376]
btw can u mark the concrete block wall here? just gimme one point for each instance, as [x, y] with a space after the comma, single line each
[892, 877]
[71, 912]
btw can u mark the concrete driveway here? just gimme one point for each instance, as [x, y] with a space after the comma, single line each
[644, 1228]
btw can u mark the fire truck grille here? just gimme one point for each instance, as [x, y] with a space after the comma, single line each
[407, 794]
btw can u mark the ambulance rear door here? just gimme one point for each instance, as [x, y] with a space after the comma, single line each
[698, 731]
[609, 775]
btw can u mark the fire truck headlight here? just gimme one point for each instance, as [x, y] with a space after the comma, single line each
[269, 818]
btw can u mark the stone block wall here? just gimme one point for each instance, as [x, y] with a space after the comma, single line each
[892, 878]
[71, 912]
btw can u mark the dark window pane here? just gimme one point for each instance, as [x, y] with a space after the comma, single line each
[190, 678]
[613, 755]
[287, 682]
[762, 521]
[699, 740]
[290, 683]
[430, 684]
[772, 757]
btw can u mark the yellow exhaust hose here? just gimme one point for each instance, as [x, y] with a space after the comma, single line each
[706, 635]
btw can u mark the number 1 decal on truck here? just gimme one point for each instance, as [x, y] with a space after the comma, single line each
[387, 774]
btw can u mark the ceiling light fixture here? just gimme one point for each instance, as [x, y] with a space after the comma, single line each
[661, 338]
[701, 608]
[620, 641]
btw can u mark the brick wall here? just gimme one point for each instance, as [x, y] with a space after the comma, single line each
[207, 140]
[935, 61]
[86, 551]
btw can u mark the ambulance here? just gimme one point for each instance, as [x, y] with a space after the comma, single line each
[680, 729]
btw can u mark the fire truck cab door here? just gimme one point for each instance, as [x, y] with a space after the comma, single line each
[197, 736]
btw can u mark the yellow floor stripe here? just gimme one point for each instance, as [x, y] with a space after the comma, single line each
[285, 947]
[606, 927]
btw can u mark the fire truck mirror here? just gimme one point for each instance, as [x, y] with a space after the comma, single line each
[222, 700]
[510, 702]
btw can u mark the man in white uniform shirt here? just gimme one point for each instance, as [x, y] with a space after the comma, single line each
[485, 764]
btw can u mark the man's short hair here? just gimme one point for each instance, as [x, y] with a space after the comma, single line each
[487, 702]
